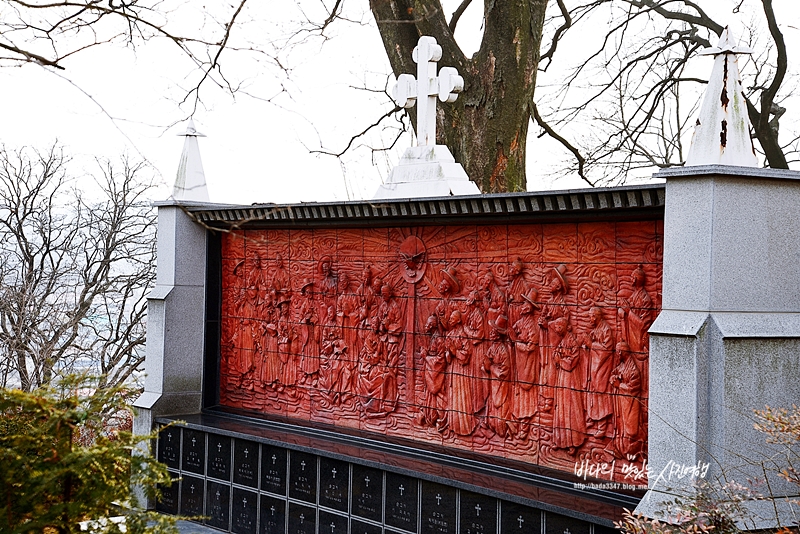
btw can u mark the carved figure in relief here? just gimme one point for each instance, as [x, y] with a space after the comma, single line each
[627, 381]
[549, 338]
[347, 313]
[435, 366]
[449, 286]
[376, 384]
[569, 414]
[250, 333]
[494, 298]
[269, 371]
[499, 364]
[327, 284]
[286, 337]
[600, 404]
[280, 278]
[636, 314]
[391, 326]
[475, 330]
[460, 415]
[307, 320]
[516, 288]
[334, 369]
[526, 343]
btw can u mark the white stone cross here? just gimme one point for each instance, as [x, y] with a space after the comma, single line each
[478, 509]
[438, 499]
[366, 479]
[520, 521]
[401, 488]
[423, 90]
[273, 459]
[334, 472]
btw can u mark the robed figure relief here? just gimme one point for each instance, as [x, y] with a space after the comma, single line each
[549, 338]
[526, 346]
[627, 381]
[434, 373]
[475, 330]
[334, 369]
[461, 418]
[307, 321]
[599, 403]
[637, 314]
[375, 381]
[500, 366]
[569, 414]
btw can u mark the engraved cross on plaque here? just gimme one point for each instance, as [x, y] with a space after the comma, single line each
[423, 90]
[438, 499]
[244, 501]
[169, 436]
[478, 509]
[192, 488]
[401, 488]
[520, 521]
[219, 447]
[194, 441]
[246, 453]
[302, 517]
[333, 471]
[272, 509]
[333, 526]
[366, 479]
[273, 459]
[303, 465]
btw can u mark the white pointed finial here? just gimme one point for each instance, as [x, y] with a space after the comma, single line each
[190, 182]
[722, 132]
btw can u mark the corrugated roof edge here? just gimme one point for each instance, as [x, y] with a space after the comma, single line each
[501, 205]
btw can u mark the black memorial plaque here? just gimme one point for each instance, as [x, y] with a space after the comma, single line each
[360, 527]
[219, 457]
[561, 524]
[518, 519]
[193, 454]
[303, 476]
[218, 505]
[273, 516]
[273, 469]
[334, 480]
[192, 496]
[302, 519]
[245, 463]
[478, 514]
[401, 501]
[169, 447]
[330, 523]
[245, 511]
[438, 509]
[367, 493]
[168, 503]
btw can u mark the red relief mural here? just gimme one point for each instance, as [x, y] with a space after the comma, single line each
[522, 341]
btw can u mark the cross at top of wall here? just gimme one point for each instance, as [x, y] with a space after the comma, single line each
[427, 170]
[426, 87]
[722, 132]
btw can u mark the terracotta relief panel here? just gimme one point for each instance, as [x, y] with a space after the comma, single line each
[522, 341]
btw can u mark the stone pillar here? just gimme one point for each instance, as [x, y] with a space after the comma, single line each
[175, 321]
[727, 340]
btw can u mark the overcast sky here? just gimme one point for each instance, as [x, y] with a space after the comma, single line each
[113, 99]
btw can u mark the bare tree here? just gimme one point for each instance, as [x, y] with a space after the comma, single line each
[637, 89]
[50, 33]
[75, 270]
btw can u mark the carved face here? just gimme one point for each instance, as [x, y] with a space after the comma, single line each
[515, 268]
[638, 278]
[386, 292]
[431, 324]
[455, 318]
[444, 286]
[486, 281]
[555, 285]
[597, 316]
[526, 307]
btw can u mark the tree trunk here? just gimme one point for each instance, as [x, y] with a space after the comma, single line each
[486, 128]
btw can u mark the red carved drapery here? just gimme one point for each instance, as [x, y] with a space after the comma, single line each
[522, 341]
